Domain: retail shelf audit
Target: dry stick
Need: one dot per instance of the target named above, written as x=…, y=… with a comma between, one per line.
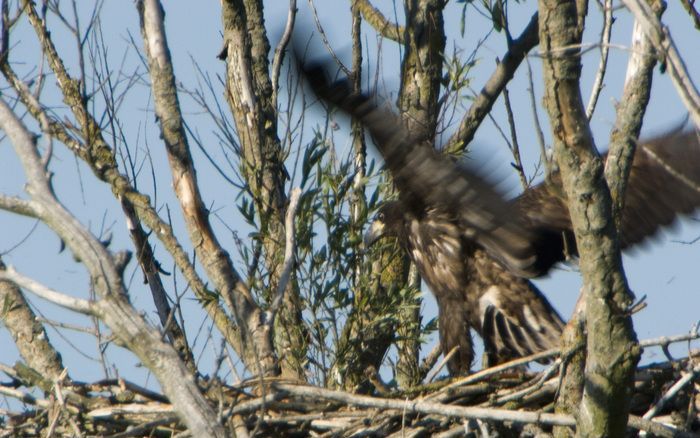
x=495, y=370
x=24, y=397
x=429, y=361
x=442, y=364
x=602, y=67
x=423, y=407
x=541, y=381
x=481, y=375
x=673, y=390
x=62, y=402
x=144, y=429
x=666, y=48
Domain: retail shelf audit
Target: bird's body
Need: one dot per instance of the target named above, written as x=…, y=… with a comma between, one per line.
x=476, y=251
x=472, y=290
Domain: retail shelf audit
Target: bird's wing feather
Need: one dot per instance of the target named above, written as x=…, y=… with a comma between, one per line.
x=516, y=320
x=664, y=182
x=425, y=178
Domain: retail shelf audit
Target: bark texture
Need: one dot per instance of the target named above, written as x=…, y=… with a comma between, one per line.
x=612, y=351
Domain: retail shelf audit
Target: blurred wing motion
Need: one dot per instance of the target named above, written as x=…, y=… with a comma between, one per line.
x=475, y=250
x=426, y=179
x=664, y=182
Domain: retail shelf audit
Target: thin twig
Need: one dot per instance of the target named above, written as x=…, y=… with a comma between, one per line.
x=515, y=147
x=604, y=49
x=538, y=125
x=324, y=38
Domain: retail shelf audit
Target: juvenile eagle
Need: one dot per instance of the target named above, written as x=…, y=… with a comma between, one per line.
x=476, y=251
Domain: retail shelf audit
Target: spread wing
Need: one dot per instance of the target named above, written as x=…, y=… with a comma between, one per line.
x=427, y=179
x=664, y=182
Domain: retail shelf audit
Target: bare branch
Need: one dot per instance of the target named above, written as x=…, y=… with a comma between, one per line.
x=38, y=289
x=426, y=407
x=289, y=250
x=27, y=331
x=260, y=355
x=604, y=49
x=630, y=113
x=504, y=72
x=281, y=48
x=114, y=309
x=660, y=37
x=379, y=22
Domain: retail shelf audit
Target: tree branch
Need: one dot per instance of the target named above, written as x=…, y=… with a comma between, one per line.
x=27, y=331
x=604, y=49
x=379, y=22
x=114, y=308
x=260, y=355
x=611, y=351
x=660, y=37
x=289, y=250
x=630, y=114
x=504, y=72
x=281, y=48
x=38, y=289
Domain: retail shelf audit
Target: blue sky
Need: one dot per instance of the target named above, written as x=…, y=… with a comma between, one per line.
x=667, y=271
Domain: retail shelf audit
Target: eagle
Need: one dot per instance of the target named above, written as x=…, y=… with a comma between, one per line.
x=477, y=251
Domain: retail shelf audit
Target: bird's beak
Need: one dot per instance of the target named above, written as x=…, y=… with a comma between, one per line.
x=373, y=233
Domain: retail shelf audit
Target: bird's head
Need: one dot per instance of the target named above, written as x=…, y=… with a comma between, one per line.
x=387, y=222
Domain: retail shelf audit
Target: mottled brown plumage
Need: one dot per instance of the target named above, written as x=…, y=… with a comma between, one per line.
x=471, y=288
x=476, y=250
